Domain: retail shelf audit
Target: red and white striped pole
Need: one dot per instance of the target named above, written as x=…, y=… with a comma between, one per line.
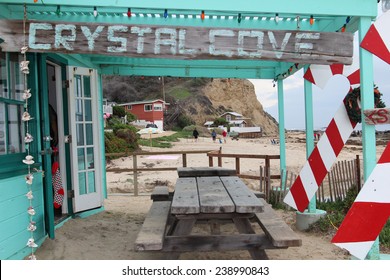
x=320, y=160
x=369, y=213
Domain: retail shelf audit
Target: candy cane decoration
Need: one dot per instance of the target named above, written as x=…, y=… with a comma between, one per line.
x=377, y=39
x=320, y=160
x=369, y=213
x=320, y=74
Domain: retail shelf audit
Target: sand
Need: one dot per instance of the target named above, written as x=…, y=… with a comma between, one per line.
x=110, y=235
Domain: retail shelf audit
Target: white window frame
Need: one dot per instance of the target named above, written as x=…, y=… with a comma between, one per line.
x=151, y=107
x=157, y=107
x=129, y=107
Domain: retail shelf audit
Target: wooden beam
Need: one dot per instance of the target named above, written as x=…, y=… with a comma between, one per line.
x=180, y=42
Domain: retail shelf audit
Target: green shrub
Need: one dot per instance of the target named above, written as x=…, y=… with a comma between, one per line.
x=119, y=111
x=220, y=121
x=384, y=236
x=184, y=120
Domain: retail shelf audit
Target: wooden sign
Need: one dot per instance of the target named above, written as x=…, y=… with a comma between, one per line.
x=377, y=116
x=179, y=42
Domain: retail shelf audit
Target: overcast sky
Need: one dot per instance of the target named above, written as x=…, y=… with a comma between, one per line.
x=325, y=101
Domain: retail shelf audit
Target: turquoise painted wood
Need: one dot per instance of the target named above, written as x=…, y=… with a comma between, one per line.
x=309, y=125
x=330, y=7
x=14, y=218
x=367, y=102
x=46, y=158
x=101, y=128
x=282, y=136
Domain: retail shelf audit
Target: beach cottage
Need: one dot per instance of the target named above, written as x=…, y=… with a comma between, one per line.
x=53, y=54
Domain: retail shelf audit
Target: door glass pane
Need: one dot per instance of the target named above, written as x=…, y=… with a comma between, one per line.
x=89, y=133
x=91, y=182
x=87, y=86
x=14, y=136
x=82, y=183
x=88, y=110
x=81, y=158
x=90, y=162
x=3, y=76
x=80, y=134
x=78, y=85
x=17, y=77
x=79, y=110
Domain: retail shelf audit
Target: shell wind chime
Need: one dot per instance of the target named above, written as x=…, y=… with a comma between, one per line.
x=29, y=160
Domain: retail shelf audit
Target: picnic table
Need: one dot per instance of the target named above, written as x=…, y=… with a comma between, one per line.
x=213, y=196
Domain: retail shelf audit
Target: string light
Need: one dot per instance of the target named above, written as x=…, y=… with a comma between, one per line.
x=202, y=15
x=239, y=18
x=298, y=23
x=165, y=13
x=95, y=12
x=58, y=11
x=128, y=12
x=311, y=20
x=343, y=28
x=348, y=19
x=276, y=18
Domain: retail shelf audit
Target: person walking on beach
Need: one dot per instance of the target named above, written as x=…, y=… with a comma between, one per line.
x=214, y=135
x=195, y=133
x=224, y=135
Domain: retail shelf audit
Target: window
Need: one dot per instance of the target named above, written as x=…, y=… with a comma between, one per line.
x=157, y=107
x=11, y=104
x=129, y=107
x=148, y=107
x=228, y=118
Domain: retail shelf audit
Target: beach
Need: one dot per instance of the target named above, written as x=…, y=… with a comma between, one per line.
x=110, y=235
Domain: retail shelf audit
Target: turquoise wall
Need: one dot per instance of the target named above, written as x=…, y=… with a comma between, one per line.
x=14, y=218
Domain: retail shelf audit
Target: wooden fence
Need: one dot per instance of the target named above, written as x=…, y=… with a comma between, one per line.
x=210, y=154
x=343, y=176
x=137, y=169
x=267, y=162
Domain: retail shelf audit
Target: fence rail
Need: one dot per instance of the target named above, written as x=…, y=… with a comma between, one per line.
x=137, y=169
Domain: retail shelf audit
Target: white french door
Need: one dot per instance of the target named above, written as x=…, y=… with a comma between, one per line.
x=84, y=144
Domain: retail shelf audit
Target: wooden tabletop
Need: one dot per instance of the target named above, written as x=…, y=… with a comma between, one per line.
x=225, y=194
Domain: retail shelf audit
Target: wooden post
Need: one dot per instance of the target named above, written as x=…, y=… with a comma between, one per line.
x=135, y=175
x=261, y=179
x=210, y=161
x=238, y=165
x=219, y=157
x=184, y=160
x=358, y=175
x=267, y=176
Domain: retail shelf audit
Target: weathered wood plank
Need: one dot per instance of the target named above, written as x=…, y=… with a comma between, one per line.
x=179, y=42
x=152, y=233
x=377, y=116
x=243, y=198
x=185, y=199
x=160, y=193
x=205, y=171
x=280, y=234
x=204, y=243
x=213, y=197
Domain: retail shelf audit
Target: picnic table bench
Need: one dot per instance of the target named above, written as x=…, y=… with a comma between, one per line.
x=213, y=200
